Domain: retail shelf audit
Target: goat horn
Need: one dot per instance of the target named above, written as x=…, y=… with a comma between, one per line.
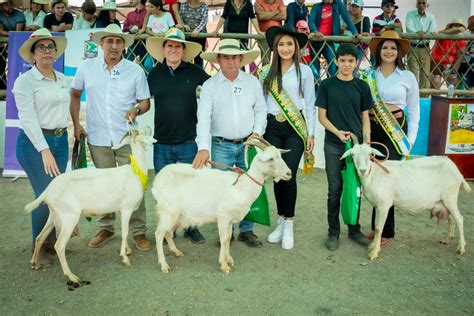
x=264, y=141
x=254, y=141
x=354, y=138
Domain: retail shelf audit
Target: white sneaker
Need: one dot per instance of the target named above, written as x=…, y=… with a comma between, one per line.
x=276, y=235
x=287, y=239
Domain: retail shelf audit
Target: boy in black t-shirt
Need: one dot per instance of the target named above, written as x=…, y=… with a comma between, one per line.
x=59, y=20
x=344, y=103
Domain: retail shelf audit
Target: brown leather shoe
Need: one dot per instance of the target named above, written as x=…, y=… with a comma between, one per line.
x=141, y=242
x=101, y=238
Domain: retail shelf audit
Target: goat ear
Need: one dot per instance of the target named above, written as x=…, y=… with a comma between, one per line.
x=346, y=154
x=284, y=151
x=376, y=152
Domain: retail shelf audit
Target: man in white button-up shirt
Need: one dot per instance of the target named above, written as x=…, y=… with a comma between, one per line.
x=231, y=108
x=113, y=86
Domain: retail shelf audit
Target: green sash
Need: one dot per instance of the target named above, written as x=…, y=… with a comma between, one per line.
x=385, y=118
x=290, y=112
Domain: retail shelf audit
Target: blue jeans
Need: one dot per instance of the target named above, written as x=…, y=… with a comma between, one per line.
x=164, y=154
x=32, y=162
x=329, y=53
x=231, y=154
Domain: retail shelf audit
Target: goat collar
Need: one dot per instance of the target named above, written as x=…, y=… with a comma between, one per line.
x=238, y=170
x=139, y=172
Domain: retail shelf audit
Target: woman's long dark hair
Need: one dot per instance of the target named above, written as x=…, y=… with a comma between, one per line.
x=275, y=67
x=399, y=62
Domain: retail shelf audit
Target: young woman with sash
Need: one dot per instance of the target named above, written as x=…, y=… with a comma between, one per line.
x=395, y=91
x=288, y=87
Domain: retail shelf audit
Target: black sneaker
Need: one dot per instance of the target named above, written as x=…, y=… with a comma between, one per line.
x=250, y=239
x=332, y=243
x=194, y=235
x=359, y=238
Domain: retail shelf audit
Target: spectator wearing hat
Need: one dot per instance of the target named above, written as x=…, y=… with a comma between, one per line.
x=173, y=83
x=269, y=13
x=42, y=98
x=287, y=79
x=306, y=54
x=420, y=21
x=296, y=11
x=447, y=54
x=87, y=18
x=467, y=68
x=194, y=14
x=387, y=20
x=107, y=15
x=325, y=20
x=117, y=91
x=362, y=25
x=159, y=21
x=34, y=18
x=11, y=19
x=59, y=20
x=231, y=109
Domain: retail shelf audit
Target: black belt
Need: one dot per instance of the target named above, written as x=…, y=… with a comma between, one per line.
x=58, y=132
x=232, y=141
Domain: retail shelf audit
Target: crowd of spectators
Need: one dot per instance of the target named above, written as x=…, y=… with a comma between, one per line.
x=432, y=62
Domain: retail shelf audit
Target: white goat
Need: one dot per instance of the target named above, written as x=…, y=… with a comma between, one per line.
x=190, y=197
x=430, y=183
x=88, y=192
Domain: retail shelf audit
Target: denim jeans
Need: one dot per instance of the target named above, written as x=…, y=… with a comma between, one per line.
x=334, y=166
x=231, y=154
x=329, y=54
x=32, y=162
x=164, y=154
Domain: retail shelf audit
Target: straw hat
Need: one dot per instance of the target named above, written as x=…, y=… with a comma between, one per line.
x=40, y=34
x=288, y=30
x=113, y=30
x=154, y=45
x=46, y=5
x=389, y=35
x=230, y=46
x=109, y=5
x=470, y=22
x=456, y=21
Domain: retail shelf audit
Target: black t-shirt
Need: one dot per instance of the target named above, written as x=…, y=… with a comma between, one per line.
x=344, y=102
x=238, y=23
x=50, y=20
x=175, y=101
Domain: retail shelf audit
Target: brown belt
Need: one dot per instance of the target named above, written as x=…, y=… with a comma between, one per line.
x=396, y=114
x=58, y=132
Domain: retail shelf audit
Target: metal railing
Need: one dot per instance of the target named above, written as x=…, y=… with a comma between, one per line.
x=441, y=72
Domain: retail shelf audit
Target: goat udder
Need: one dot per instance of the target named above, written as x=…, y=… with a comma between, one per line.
x=440, y=211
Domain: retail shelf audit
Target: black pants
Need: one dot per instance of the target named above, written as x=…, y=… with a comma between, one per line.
x=283, y=136
x=377, y=134
x=201, y=41
x=334, y=166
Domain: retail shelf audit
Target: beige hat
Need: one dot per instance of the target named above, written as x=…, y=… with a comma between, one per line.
x=456, y=21
x=46, y=5
x=109, y=5
x=40, y=34
x=229, y=46
x=154, y=45
x=113, y=30
x=388, y=35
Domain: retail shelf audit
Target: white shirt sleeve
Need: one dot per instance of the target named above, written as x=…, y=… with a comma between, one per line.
x=413, y=107
x=260, y=109
x=204, y=115
x=78, y=82
x=24, y=98
x=310, y=99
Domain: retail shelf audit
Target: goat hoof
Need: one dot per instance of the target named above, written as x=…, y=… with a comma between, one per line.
x=231, y=263
x=178, y=254
x=225, y=269
x=127, y=263
x=461, y=250
x=166, y=269
x=129, y=252
x=373, y=257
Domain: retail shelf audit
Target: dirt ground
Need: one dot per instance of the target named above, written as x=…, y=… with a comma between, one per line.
x=414, y=276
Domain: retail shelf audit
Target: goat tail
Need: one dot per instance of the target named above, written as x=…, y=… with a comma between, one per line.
x=32, y=205
x=466, y=186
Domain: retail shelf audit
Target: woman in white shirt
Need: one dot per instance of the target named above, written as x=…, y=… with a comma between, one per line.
x=159, y=20
x=34, y=17
x=399, y=91
x=42, y=98
x=286, y=79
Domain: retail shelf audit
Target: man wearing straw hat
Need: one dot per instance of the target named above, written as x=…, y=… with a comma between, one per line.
x=231, y=109
x=114, y=86
x=173, y=83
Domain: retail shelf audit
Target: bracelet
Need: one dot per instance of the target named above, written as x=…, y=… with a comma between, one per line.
x=138, y=110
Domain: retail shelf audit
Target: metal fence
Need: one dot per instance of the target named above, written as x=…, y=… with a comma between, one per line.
x=443, y=59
